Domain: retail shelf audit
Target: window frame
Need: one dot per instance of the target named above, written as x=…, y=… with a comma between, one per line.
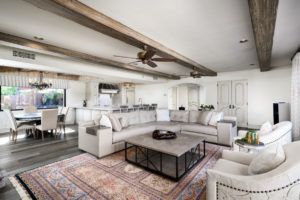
x=64, y=104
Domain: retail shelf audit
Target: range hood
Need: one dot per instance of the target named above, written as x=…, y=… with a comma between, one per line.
x=105, y=88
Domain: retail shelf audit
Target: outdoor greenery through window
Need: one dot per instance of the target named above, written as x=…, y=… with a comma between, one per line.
x=19, y=97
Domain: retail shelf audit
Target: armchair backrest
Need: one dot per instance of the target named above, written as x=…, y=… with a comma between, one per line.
x=49, y=119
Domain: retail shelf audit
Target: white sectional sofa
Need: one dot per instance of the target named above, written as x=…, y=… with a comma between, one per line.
x=142, y=122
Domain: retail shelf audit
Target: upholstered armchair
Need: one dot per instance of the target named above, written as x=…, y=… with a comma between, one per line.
x=281, y=134
x=229, y=178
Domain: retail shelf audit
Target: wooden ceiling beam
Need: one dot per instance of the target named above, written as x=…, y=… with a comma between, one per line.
x=91, y=18
x=263, y=16
x=81, y=56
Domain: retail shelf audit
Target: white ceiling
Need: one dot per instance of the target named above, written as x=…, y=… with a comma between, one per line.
x=207, y=31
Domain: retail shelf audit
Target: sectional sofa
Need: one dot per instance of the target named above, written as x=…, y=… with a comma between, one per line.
x=108, y=140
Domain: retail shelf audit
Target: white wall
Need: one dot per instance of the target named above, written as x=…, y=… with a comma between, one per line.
x=264, y=88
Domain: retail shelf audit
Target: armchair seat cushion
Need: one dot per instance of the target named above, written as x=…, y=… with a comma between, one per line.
x=198, y=128
x=230, y=167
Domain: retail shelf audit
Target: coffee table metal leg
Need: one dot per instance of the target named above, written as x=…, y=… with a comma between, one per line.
x=160, y=162
x=176, y=167
x=204, y=148
x=126, y=151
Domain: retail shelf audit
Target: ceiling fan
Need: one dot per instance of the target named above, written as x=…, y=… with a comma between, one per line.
x=146, y=57
x=194, y=74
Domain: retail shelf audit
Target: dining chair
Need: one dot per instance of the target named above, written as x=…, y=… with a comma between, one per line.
x=30, y=109
x=48, y=121
x=15, y=126
x=62, y=119
x=60, y=108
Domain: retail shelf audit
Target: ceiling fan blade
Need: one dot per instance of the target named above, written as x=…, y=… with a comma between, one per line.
x=125, y=57
x=164, y=59
x=134, y=62
x=149, y=54
x=151, y=64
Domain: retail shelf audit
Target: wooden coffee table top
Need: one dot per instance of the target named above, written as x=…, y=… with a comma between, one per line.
x=175, y=147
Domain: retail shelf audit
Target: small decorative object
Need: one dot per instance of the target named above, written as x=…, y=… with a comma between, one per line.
x=251, y=138
x=162, y=134
x=181, y=108
x=206, y=107
x=84, y=103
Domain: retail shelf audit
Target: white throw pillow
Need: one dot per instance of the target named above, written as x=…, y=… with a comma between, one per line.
x=267, y=160
x=215, y=117
x=124, y=122
x=265, y=128
x=115, y=122
x=205, y=117
x=163, y=115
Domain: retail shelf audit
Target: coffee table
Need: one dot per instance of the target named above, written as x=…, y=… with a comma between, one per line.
x=170, y=158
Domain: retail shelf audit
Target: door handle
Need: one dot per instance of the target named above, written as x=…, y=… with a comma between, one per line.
x=229, y=106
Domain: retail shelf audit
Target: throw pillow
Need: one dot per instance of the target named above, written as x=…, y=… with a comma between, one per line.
x=194, y=116
x=179, y=116
x=215, y=117
x=205, y=117
x=116, y=125
x=163, y=115
x=267, y=160
x=265, y=128
x=124, y=122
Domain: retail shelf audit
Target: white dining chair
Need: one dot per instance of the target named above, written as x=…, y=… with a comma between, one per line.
x=15, y=126
x=62, y=119
x=30, y=109
x=48, y=121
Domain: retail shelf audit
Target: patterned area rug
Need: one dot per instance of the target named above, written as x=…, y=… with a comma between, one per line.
x=111, y=177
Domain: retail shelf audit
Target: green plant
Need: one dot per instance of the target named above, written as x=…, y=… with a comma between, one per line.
x=204, y=107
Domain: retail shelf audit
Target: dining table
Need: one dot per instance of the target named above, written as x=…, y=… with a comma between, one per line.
x=35, y=116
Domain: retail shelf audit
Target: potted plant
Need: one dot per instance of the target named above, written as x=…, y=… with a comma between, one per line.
x=204, y=107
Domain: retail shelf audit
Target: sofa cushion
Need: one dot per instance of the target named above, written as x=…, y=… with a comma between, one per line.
x=198, y=128
x=163, y=115
x=124, y=122
x=215, y=117
x=205, y=117
x=168, y=126
x=230, y=167
x=179, y=116
x=133, y=130
x=133, y=117
x=267, y=160
x=265, y=128
x=147, y=116
x=194, y=116
x=115, y=122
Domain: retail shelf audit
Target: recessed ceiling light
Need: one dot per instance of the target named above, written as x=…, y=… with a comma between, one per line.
x=38, y=38
x=243, y=40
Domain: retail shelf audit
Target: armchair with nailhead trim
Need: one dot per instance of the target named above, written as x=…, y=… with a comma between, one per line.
x=229, y=178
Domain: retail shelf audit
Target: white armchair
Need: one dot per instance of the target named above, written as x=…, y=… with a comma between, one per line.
x=280, y=135
x=229, y=178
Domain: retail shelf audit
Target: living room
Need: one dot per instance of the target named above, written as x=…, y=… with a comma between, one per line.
x=149, y=100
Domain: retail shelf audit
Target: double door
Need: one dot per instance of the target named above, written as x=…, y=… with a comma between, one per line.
x=233, y=100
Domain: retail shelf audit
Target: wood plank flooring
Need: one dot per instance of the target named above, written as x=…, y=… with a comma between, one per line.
x=28, y=153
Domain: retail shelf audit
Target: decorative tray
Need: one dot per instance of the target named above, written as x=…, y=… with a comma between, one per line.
x=163, y=135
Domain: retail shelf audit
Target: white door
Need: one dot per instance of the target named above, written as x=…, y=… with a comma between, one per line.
x=240, y=101
x=193, y=98
x=224, y=97
x=130, y=97
x=233, y=100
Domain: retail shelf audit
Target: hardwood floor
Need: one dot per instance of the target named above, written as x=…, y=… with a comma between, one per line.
x=28, y=153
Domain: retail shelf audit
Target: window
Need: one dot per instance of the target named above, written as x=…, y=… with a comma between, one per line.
x=18, y=97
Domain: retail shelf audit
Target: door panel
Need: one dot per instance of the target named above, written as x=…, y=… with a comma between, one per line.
x=224, y=97
x=240, y=101
x=130, y=97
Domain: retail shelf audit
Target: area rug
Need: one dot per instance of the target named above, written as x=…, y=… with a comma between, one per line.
x=86, y=177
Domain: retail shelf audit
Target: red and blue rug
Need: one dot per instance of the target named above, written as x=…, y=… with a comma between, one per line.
x=86, y=177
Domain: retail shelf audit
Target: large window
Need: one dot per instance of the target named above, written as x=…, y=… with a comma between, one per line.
x=17, y=97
